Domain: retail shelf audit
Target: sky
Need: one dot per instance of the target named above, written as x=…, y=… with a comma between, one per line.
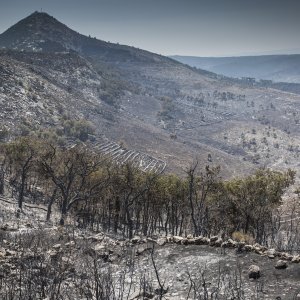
x=182, y=27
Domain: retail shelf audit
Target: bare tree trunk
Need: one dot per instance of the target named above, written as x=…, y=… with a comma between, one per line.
x=49, y=208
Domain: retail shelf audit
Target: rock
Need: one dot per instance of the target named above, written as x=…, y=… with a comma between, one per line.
x=161, y=241
x=99, y=247
x=149, y=239
x=200, y=240
x=4, y=227
x=231, y=243
x=9, y=252
x=189, y=236
x=177, y=239
x=56, y=246
x=184, y=241
x=135, y=240
x=170, y=239
x=96, y=238
x=271, y=253
x=214, y=239
x=218, y=242
x=248, y=247
x=113, y=258
x=296, y=259
x=53, y=254
x=70, y=244
x=286, y=256
x=191, y=241
x=254, y=272
x=281, y=264
x=225, y=244
x=142, y=249
x=140, y=295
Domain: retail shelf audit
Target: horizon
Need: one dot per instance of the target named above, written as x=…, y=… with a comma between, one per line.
x=200, y=28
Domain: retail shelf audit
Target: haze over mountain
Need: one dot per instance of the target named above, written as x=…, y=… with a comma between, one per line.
x=164, y=110
x=279, y=68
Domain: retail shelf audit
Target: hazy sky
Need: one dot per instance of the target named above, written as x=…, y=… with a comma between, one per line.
x=186, y=27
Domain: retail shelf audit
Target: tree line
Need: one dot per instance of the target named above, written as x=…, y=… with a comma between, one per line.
x=98, y=193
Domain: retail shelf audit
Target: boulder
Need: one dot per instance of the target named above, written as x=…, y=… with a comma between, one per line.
x=161, y=241
x=271, y=253
x=170, y=239
x=248, y=247
x=286, y=256
x=198, y=240
x=254, y=272
x=296, y=259
x=231, y=243
x=177, y=239
x=281, y=264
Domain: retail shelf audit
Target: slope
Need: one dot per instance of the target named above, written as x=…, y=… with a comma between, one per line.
x=147, y=102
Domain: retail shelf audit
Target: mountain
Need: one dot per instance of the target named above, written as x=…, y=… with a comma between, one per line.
x=279, y=68
x=156, y=109
x=43, y=33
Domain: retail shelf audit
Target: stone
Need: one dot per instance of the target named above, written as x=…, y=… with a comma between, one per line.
x=53, y=253
x=271, y=253
x=286, y=256
x=142, y=249
x=161, y=241
x=281, y=264
x=218, y=242
x=99, y=247
x=254, y=272
x=296, y=259
x=177, y=239
x=248, y=247
x=96, y=238
x=140, y=295
x=9, y=252
x=184, y=241
x=4, y=227
x=135, y=239
x=231, y=243
x=70, y=244
x=56, y=246
x=214, y=239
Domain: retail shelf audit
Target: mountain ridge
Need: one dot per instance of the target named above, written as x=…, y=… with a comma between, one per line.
x=152, y=103
x=279, y=68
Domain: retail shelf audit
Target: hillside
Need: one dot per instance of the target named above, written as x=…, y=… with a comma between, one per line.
x=143, y=101
x=279, y=68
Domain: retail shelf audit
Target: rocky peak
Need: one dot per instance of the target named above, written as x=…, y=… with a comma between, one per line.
x=39, y=32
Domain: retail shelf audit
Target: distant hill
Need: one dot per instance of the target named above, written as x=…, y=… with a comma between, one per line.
x=279, y=68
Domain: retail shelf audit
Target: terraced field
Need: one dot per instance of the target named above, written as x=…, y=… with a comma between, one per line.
x=122, y=155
